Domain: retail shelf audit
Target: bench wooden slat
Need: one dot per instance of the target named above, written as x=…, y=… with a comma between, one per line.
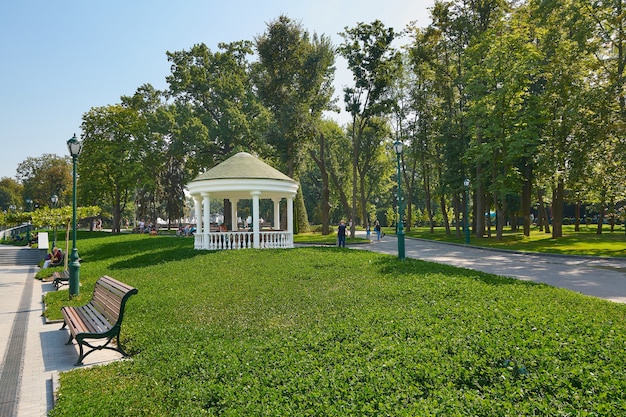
x=101, y=318
x=60, y=278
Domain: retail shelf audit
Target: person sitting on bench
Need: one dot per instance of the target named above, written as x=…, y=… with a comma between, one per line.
x=55, y=260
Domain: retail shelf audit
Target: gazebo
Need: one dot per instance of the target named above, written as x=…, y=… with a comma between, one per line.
x=242, y=177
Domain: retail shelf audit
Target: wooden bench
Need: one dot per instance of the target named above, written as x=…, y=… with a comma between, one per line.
x=60, y=278
x=101, y=318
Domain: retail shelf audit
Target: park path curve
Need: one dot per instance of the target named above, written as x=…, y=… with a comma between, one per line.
x=594, y=276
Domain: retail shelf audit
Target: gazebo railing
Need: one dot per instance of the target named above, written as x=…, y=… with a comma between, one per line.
x=279, y=239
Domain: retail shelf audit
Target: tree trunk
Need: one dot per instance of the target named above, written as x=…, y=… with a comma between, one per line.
x=499, y=217
x=557, y=209
x=600, y=217
x=612, y=216
x=457, y=214
x=543, y=213
x=444, y=212
x=117, y=219
x=325, y=203
x=355, y=161
x=479, y=209
x=343, y=198
x=577, y=217
x=526, y=204
x=427, y=202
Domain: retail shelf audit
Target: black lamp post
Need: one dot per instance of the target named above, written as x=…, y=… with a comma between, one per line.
x=74, y=145
x=397, y=147
x=55, y=200
x=466, y=183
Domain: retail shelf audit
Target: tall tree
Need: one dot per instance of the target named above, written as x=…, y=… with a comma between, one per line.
x=112, y=160
x=563, y=40
x=45, y=176
x=216, y=111
x=321, y=154
x=294, y=80
x=374, y=63
x=10, y=193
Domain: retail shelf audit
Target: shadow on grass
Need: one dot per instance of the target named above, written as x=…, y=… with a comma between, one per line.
x=391, y=265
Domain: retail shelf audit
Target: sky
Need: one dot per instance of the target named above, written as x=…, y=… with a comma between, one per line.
x=62, y=58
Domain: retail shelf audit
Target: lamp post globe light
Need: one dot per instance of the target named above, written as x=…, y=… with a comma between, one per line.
x=74, y=146
x=54, y=199
x=466, y=183
x=397, y=147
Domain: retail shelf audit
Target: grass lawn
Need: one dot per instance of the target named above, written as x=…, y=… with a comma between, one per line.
x=328, y=240
x=583, y=242
x=324, y=331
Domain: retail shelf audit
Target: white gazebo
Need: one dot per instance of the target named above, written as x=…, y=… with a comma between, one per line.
x=242, y=177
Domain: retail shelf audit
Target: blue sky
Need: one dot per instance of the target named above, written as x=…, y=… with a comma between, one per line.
x=61, y=58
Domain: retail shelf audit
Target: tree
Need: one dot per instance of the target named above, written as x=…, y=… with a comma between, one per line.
x=563, y=34
x=44, y=177
x=322, y=157
x=11, y=193
x=112, y=161
x=374, y=64
x=294, y=80
x=216, y=111
x=62, y=216
x=499, y=92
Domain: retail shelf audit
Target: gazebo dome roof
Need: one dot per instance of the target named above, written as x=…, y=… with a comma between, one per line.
x=243, y=165
x=241, y=175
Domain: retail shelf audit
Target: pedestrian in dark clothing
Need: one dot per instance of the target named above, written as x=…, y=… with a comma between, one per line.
x=377, y=230
x=341, y=234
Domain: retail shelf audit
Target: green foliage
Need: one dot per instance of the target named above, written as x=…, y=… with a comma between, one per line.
x=335, y=332
x=10, y=193
x=45, y=176
x=585, y=242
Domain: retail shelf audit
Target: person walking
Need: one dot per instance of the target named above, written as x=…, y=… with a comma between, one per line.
x=377, y=229
x=341, y=234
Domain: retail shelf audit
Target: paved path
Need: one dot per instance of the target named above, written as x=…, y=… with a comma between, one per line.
x=32, y=352
x=598, y=277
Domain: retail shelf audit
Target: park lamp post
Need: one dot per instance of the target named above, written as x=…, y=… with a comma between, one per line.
x=74, y=145
x=29, y=203
x=397, y=147
x=54, y=199
x=466, y=183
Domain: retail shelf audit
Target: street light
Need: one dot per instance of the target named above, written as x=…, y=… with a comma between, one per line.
x=74, y=146
x=397, y=147
x=55, y=200
x=466, y=183
x=29, y=203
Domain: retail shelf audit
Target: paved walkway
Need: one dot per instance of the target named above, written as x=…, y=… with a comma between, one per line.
x=35, y=352
x=598, y=277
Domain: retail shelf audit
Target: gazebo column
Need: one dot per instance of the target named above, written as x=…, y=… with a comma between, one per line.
x=233, y=213
x=198, y=214
x=290, y=217
x=255, y=220
x=276, y=202
x=206, y=222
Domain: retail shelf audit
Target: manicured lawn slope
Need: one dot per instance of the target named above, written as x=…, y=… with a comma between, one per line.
x=583, y=242
x=332, y=332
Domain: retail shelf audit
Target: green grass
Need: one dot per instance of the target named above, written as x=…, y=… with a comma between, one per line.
x=328, y=240
x=584, y=242
x=324, y=331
